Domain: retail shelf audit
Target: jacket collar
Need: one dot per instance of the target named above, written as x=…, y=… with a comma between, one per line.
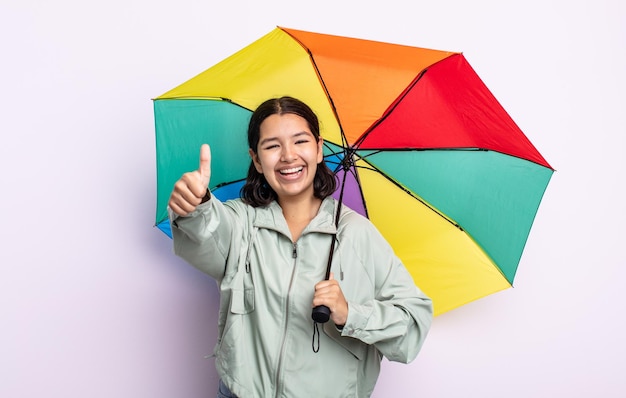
x=271, y=217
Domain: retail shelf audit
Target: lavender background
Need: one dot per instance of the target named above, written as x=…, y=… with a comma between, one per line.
x=94, y=304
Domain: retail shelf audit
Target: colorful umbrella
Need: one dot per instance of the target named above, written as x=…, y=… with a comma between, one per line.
x=419, y=143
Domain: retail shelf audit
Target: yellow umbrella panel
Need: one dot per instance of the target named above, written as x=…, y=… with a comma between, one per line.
x=444, y=260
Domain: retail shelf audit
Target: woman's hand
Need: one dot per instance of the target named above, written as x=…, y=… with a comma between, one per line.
x=329, y=293
x=192, y=187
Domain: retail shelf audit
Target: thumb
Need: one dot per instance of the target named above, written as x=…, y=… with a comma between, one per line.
x=331, y=276
x=205, y=164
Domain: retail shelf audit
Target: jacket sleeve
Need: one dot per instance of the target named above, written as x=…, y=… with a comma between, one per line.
x=397, y=319
x=204, y=237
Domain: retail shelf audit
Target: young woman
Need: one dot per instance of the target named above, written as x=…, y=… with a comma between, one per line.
x=268, y=252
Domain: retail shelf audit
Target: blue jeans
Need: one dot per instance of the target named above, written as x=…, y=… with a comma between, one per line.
x=223, y=391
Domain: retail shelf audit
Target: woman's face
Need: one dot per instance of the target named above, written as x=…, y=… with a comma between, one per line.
x=288, y=155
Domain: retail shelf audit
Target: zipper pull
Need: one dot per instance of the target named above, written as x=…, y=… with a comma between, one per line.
x=294, y=254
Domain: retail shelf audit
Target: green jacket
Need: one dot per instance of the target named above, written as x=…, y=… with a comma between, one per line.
x=266, y=283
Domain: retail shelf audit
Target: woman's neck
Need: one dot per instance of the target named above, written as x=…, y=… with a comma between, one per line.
x=299, y=213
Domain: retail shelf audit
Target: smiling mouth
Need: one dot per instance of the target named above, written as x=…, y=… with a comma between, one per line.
x=293, y=170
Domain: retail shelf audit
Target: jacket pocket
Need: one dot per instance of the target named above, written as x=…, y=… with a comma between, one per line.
x=242, y=301
x=242, y=298
x=354, y=346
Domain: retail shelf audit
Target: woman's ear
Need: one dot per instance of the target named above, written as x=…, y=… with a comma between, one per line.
x=255, y=161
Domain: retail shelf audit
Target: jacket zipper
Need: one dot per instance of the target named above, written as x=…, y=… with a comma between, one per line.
x=294, y=255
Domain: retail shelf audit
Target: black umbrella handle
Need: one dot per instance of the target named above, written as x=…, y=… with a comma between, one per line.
x=321, y=314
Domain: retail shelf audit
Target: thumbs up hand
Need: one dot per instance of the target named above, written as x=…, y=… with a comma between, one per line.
x=192, y=187
x=205, y=166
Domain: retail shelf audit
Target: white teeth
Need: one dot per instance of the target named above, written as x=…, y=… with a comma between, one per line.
x=289, y=171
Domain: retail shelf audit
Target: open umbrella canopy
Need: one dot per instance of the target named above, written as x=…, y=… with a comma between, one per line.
x=420, y=146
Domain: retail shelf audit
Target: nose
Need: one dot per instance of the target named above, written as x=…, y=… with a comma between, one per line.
x=288, y=153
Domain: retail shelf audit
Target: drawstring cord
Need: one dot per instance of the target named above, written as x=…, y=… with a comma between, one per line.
x=316, y=333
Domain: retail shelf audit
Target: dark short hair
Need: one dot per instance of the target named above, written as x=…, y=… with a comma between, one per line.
x=256, y=191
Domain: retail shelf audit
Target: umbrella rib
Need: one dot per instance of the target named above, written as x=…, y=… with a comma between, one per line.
x=375, y=151
x=344, y=141
x=222, y=184
x=391, y=108
x=421, y=201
